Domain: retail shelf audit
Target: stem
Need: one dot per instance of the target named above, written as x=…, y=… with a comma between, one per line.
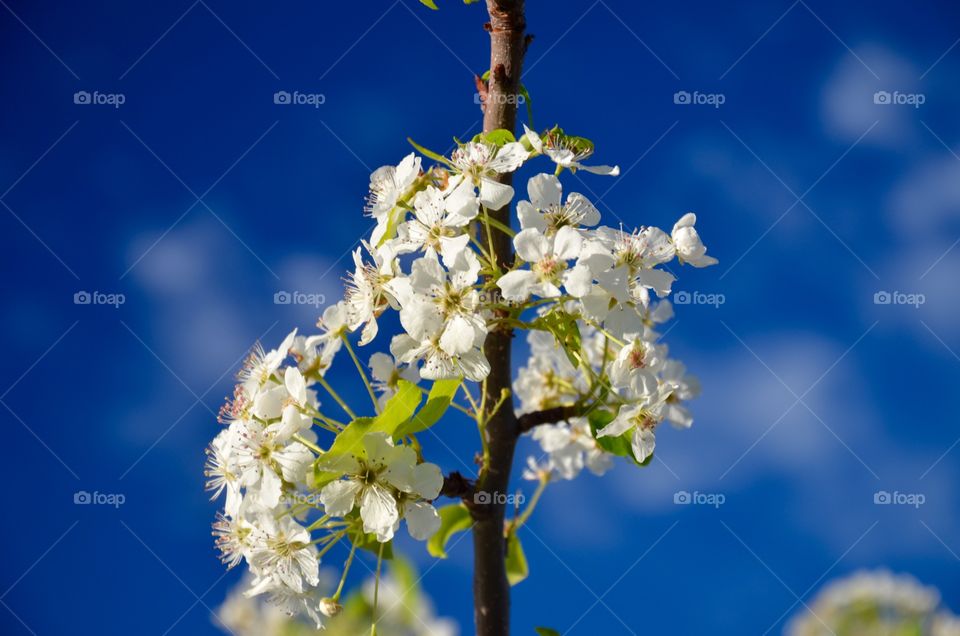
x=376, y=590
x=336, y=396
x=522, y=519
x=346, y=568
x=491, y=591
x=363, y=374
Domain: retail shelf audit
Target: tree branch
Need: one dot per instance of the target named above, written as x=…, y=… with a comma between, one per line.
x=491, y=591
x=528, y=421
x=456, y=486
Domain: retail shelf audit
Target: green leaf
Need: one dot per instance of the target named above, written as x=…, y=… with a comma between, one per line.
x=546, y=631
x=517, y=568
x=430, y=3
x=453, y=519
x=498, y=137
x=564, y=328
x=429, y=153
x=394, y=217
x=526, y=98
x=438, y=401
x=400, y=408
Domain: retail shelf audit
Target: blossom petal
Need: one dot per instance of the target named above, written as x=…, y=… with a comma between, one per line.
x=422, y=520
x=338, y=497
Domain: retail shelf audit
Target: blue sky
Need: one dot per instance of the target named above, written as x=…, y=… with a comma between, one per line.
x=198, y=198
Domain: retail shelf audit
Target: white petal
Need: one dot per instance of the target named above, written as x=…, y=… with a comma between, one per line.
x=378, y=509
x=270, y=488
x=578, y=281
x=427, y=480
x=422, y=520
x=531, y=245
x=296, y=386
x=643, y=443
x=517, y=285
x=457, y=337
x=605, y=170
x=338, y=497
x=567, y=243
x=544, y=190
x=494, y=195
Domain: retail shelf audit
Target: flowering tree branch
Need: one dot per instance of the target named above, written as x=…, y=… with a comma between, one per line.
x=303, y=470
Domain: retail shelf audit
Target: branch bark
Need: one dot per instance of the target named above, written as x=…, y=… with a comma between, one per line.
x=529, y=421
x=491, y=591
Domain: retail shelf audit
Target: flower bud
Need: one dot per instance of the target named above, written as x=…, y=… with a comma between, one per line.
x=329, y=607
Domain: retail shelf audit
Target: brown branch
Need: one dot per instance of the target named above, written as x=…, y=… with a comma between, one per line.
x=528, y=421
x=491, y=591
x=456, y=486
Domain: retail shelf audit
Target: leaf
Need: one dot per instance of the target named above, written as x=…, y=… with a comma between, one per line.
x=517, y=568
x=564, y=328
x=429, y=153
x=546, y=631
x=498, y=137
x=400, y=408
x=438, y=401
x=453, y=519
x=394, y=217
x=430, y=3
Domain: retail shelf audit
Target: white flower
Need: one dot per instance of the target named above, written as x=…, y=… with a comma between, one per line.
x=545, y=212
x=264, y=462
x=439, y=225
x=548, y=256
x=642, y=417
x=684, y=387
x=381, y=480
x=366, y=294
x=388, y=185
x=565, y=154
x=283, y=556
x=690, y=249
x=314, y=354
x=548, y=379
x=571, y=446
x=483, y=162
x=635, y=368
x=260, y=366
x=386, y=373
x=219, y=473
x=433, y=300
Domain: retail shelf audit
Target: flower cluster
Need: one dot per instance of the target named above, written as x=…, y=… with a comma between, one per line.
x=266, y=458
x=300, y=477
x=876, y=602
